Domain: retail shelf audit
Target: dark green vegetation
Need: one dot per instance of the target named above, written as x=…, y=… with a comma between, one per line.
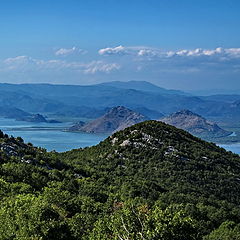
x=148, y=182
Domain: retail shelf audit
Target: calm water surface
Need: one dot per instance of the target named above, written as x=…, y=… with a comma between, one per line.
x=52, y=137
x=48, y=135
x=235, y=148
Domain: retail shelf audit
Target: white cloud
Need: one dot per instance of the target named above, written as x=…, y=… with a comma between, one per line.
x=20, y=63
x=147, y=59
x=19, y=60
x=99, y=66
x=69, y=51
x=134, y=51
x=198, y=52
x=140, y=61
x=111, y=51
x=153, y=53
x=25, y=63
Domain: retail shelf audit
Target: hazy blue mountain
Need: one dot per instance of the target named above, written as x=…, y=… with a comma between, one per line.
x=12, y=112
x=90, y=112
x=151, y=114
x=209, y=92
x=80, y=111
x=222, y=98
x=20, y=115
x=27, y=102
x=142, y=86
x=46, y=97
x=92, y=101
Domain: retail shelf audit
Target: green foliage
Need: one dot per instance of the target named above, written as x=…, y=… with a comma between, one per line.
x=131, y=222
x=227, y=231
x=30, y=217
x=150, y=181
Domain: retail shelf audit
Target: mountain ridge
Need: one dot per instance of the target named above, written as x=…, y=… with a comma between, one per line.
x=115, y=119
x=66, y=99
x=142, y=86
x=195, y=124
x=78, y=100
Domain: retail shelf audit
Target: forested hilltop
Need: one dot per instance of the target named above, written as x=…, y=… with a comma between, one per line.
x=150, y=181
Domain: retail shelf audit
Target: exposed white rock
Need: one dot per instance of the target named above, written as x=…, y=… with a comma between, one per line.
x=114, y=140
x=125, y=143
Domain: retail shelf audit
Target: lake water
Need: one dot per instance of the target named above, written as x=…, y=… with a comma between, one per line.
x=235, y=148
x=48, y=135
x=52, y=137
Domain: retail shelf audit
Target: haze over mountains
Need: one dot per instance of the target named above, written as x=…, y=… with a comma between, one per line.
x=142, y=86
x=20, y=115
x=94, y=100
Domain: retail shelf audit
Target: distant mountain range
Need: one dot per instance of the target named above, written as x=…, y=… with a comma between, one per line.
x=20, y=115
x=209, y=92
x=13, y=112
x=142, y=86
x=94, y=100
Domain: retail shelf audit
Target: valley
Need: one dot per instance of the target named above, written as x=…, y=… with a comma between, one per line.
x=120, y=120
x=70, y=104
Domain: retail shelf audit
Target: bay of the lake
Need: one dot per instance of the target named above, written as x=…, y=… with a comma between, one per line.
x=235, y=147
x=50, y=136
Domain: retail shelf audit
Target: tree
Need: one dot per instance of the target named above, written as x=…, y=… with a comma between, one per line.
x=142, y=223
x=228, y=230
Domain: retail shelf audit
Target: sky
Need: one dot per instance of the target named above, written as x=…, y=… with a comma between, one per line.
x=187, y=44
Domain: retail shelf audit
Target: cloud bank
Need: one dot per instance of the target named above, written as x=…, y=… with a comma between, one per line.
x=25, y=63
x=220, y=53
x=183, y=60
x=173, y=67
x=69, y=51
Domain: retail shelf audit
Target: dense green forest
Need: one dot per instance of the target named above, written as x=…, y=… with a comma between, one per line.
x=151, y=181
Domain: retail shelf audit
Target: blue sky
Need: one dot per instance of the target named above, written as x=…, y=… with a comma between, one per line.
x=175, y=44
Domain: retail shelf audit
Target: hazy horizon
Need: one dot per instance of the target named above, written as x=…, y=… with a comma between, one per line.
x=176, y=45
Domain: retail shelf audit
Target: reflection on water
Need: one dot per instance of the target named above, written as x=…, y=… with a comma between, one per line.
x=49, y=135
